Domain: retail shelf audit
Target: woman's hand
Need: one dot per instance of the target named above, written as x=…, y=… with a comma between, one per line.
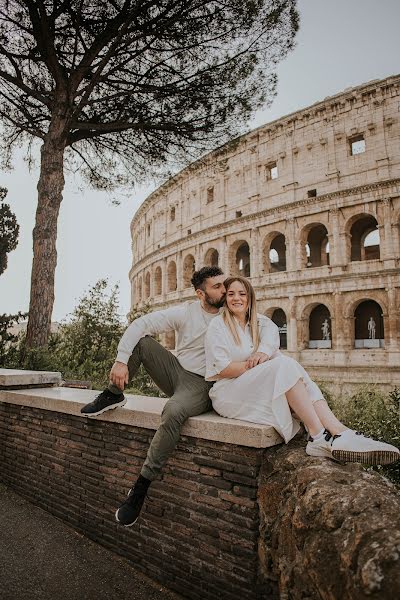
x=256, y=359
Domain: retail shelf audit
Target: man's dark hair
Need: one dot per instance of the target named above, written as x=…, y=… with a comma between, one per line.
x=204, y=273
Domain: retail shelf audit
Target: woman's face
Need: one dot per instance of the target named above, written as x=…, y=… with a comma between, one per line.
x=236, y=299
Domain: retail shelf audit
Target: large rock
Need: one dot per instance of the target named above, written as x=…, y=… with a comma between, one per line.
x=328, y=531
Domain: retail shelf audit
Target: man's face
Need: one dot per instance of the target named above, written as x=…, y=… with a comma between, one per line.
x=214, y=291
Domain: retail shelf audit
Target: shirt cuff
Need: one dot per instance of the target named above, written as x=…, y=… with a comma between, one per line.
x=268, y=350
x=216, y=367
x=122, y=357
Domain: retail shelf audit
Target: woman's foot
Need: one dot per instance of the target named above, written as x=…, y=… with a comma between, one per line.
x=320, y=446
x=353, y=446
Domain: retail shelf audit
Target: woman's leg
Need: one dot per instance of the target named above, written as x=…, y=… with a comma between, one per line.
x=327, y=418
x=300, y=402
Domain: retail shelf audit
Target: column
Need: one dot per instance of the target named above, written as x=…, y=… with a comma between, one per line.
x=387, y=249
x=291, y=247
x=164, y=278
x=392, y=321
x=223, y=256
x=255, y=266
x=292, y=343
x=179, y=273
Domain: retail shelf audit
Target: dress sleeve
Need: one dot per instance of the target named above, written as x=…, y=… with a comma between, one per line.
x=217, y=350
x=269, y=336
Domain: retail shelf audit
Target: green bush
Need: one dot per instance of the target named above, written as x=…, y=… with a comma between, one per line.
x=376, y=414
x=83, y=348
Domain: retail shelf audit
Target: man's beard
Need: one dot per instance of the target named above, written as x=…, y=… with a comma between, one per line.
x=215, y=303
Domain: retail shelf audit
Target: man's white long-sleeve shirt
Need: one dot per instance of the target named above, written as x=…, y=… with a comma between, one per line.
x=189, y=321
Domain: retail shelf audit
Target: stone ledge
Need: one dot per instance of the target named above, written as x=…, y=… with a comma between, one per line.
x=15, y=377
x=145, y=411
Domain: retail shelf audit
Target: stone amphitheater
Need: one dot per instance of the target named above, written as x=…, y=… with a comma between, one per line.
x=307, y=207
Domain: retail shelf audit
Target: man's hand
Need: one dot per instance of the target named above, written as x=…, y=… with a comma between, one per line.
x=256, y=359
x=119, y=375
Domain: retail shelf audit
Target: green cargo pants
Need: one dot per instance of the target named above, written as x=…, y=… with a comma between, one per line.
x=188, y=397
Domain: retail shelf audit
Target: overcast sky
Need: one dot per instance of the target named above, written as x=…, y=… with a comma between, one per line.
x=341, y=44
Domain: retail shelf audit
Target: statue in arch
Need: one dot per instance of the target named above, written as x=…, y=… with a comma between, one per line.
x=371, y=328
x=326, y=335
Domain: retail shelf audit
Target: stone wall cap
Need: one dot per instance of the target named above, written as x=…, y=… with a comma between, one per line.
x=145, y=411
x=19, y=377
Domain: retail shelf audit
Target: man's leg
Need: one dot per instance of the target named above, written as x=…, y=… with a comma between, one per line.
x=162, y=366
x=190, y=399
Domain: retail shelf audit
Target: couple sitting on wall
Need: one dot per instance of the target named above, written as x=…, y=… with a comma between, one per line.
x=228, y=359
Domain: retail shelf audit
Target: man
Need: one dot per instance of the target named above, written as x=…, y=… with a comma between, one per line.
x=180, y=377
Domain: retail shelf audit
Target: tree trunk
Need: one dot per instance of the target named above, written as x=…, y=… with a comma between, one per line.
x=50, y=188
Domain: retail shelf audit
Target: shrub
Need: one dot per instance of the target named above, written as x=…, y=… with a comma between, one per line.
x=376, y=414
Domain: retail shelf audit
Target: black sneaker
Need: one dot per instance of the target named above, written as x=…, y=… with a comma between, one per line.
x=104, y=401
x=128, y=513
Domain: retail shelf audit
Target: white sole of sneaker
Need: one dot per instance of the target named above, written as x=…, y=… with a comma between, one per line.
x=372, y=458
x=119, y=522
x=100, y=412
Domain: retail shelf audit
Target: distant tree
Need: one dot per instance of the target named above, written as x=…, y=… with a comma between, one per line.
x=9, y=230
x=119, y=87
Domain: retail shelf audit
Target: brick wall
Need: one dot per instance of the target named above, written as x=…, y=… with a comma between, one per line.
x=199, y=533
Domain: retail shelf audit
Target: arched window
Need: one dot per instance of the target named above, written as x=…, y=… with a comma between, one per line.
x=189, y=267
x=320, y=327
x=277, y=254
x=369, y=327
x=171, y=276
x=158, y=281
x=211, y=258
x=243, y=260
x=317, y=247
x=279, y=318
x=365, y=242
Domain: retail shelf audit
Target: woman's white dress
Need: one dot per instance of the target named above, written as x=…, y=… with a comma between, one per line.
x=258, y=395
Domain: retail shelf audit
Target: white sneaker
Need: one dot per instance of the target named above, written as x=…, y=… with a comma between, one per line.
x=321, y=447
x=352, y=446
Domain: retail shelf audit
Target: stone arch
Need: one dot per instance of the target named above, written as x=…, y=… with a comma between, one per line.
x=158, y=281
x=171, y=276
x=211, y=258
x=360, y=227
x=315, y=245
x=278, y=316
x=369, y=329
x=147, y=285
x=189, y=267
x=320, y=327
x=239, y=258
x=274, y=252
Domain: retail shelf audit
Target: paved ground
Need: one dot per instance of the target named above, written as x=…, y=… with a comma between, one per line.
x=41, y=558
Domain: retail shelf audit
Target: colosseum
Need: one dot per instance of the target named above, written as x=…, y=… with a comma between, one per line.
x=307, y=207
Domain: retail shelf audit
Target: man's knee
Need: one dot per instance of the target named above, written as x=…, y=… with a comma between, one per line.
x=174, y=413
x=145, y=344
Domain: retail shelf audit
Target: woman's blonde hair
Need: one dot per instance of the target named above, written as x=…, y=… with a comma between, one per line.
x=251, y=315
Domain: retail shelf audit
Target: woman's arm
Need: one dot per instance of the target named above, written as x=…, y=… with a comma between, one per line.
x=234, y=369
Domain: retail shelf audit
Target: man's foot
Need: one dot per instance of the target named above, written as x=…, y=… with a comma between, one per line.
x=352, y=446
x=128, y=513
x=320, y=447
x=104, y=401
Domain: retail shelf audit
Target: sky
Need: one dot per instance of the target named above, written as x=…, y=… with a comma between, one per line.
x=341, y=44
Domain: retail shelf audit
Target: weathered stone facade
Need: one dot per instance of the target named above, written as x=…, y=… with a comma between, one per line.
x=308, y=207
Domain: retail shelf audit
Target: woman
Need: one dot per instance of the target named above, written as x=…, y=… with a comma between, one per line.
x=255, y=382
